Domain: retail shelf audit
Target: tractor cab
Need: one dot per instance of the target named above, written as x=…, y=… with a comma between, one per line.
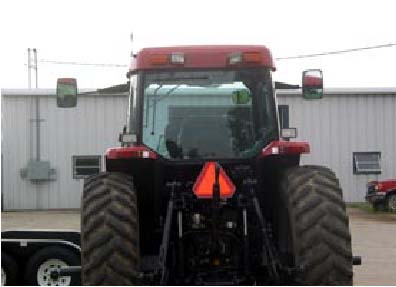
x=202, y=102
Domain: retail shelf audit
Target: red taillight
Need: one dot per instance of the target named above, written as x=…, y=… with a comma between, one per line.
x=130, y=152
x=285, y=147
x=252, y=57
x=159, y=59
x=203, y=187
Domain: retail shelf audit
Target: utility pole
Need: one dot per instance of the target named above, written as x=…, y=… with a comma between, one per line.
x=35, y=65
x=32, y=66
x=37, y=97
x=131, y=37
x=29, y=70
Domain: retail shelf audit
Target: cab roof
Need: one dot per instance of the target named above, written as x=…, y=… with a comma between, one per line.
x=202, y=56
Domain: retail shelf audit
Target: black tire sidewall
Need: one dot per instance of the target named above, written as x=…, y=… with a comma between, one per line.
x=47, y=253
x=10, y=267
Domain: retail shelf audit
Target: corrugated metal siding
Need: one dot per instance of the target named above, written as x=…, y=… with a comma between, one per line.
x=339, y=125
x=336, y=126
x=89, y=129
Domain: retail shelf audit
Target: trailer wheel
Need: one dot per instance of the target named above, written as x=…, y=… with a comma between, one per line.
x=9, y=270
x=318, y=226
x=43, y=262
x=110, y=230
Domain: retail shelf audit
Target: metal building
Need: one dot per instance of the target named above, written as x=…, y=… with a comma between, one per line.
x=72, y=143
x=353, y=131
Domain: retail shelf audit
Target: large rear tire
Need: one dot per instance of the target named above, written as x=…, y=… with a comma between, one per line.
x=109, y=230
x=318, y=226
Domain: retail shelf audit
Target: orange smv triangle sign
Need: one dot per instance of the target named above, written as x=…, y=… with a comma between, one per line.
x=203, y=187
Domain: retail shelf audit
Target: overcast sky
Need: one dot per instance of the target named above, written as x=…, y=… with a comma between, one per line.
x=99, y=32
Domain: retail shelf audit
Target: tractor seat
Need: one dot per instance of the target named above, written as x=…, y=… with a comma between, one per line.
x=205, y=137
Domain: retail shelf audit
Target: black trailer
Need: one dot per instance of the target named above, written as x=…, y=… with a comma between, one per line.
x=40, y=257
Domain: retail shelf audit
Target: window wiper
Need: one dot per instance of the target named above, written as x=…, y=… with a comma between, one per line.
x=163, y=96
x=168, y=93
x=148, y=103
x=155, y=103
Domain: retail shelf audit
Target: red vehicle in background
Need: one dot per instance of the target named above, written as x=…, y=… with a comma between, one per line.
x=382, y=195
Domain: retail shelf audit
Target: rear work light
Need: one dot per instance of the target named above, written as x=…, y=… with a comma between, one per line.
x=203, y=187
x=130, y=152
x=177, y=58
x=235, y=58
x=285, y=147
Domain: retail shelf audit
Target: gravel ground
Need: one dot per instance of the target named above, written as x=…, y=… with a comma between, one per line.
x=59, y=219
x=373, y=238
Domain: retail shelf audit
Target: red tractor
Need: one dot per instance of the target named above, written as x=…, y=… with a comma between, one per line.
x=205, y=189
x=382, y=195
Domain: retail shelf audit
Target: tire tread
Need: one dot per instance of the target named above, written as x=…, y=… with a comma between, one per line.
x=109, y=230
x=319, y=225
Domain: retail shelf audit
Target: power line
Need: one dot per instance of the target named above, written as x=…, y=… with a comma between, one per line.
x=338, y=52
x=280, y=58
x=82, y=64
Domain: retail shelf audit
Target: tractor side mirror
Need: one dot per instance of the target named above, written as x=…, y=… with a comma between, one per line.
x=66, y=93
x=312, y=84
